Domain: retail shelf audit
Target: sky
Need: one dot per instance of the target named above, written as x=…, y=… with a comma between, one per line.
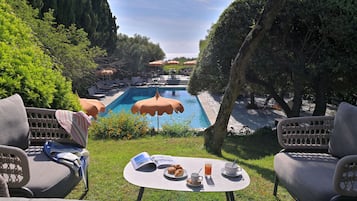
x=176, y=25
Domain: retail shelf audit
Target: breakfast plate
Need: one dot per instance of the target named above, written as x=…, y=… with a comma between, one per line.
x=237, y=174
x=172, y=176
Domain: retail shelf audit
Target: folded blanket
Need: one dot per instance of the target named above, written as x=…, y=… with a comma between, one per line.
x=74, y=157
x=76, y=124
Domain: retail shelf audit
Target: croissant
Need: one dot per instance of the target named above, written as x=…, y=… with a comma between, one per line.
x=179, y=172
x=171, y=170
x=178, y=166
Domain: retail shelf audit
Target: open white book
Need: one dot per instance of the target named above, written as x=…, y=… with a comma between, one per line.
x=158, y=161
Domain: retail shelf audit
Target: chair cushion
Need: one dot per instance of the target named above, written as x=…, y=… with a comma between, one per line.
x=343, y=140
x=14, y=127
x=44, y=183
x=307, y=176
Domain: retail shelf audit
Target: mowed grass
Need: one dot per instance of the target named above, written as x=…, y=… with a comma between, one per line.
x=108, y=158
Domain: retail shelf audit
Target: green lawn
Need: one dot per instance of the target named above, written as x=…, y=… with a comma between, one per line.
x=108, y=159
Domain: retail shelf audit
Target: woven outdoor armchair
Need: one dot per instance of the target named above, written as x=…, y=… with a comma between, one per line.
x=28, y=171
x=318, y=161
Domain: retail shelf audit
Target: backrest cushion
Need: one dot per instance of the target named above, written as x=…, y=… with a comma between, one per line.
x=343, y=140
x=14, y=127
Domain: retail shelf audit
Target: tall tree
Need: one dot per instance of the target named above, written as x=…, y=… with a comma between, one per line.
x=218, y=50
x=215, y=134
x=313, y=43
x=137, y=51
x=303, y=48
x=94, y=16
x=69, y=47
x=26, y=69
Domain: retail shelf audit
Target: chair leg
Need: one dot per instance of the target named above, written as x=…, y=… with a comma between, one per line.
x=87, y=181
x=276, y=184
x=86, y=186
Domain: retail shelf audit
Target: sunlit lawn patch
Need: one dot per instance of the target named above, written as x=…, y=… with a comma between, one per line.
x=109, y=157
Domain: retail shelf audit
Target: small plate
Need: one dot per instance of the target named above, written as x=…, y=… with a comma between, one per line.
x=189, y=184
x=172, y=176
x=237, y=174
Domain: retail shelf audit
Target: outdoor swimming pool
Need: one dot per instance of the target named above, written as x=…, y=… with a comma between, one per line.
x=194, y=113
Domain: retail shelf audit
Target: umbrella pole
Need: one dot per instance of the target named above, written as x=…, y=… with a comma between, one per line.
x=157, y=123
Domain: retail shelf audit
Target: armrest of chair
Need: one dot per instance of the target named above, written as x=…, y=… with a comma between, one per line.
x=14, y=166
x=44, y=126
x=301, y=133
x=345, y=176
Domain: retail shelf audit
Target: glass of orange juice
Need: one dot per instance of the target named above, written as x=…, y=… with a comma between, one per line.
x=208, y=169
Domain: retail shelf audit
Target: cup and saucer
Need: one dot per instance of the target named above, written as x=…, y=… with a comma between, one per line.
x=195, y=180
x=231, y=170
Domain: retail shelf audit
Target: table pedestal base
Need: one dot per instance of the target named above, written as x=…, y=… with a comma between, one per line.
x=230, y=196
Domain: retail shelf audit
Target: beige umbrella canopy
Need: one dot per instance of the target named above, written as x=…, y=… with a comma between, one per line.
x=157, y=105
x=106, y=72
x=173, y=62
x=91, y=106
x=157, y=63
x=190, y=63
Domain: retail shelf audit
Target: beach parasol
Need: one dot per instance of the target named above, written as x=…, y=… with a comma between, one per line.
x=106, y=72
x=157, y=63
x=157, y=105
x=173, y=62
x=190, y=63
x=92, y=107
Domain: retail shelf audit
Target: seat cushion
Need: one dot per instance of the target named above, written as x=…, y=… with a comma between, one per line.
x=14, y=127
x=343, y=140
x=49, y=178
x=307, y=176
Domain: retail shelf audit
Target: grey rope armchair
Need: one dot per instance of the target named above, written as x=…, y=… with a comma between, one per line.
x=28, y=171
x=319, y=156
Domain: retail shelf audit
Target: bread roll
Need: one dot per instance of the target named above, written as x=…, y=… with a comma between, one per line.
x=179, y=172
x=178, y=166
x=171, y=170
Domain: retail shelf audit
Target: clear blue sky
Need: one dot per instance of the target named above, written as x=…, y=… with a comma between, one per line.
x=176, y=25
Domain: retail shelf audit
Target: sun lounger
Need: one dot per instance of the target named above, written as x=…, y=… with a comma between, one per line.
x=93, y=93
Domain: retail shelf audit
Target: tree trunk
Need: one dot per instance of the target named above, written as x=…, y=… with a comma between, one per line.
x=320, y=96
x=215, y=134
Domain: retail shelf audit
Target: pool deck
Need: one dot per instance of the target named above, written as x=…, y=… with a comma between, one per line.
x=240, y=116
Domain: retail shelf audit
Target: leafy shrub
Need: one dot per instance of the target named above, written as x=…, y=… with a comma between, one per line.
x=25, y=69
x=176, y=129
x=123, y=125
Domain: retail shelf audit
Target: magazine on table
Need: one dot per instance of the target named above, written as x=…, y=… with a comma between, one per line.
x=144, y=159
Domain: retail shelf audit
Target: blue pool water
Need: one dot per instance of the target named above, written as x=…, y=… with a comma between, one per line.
x=193, y=113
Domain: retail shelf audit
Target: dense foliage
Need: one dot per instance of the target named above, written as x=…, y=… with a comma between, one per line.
x=222, y=44
x=126, y=126
x=136, y=52
x=25, y=69
x=94, y=16
x=69, y=47
x=311, y=49
x=176, y=129
x=121, y=125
